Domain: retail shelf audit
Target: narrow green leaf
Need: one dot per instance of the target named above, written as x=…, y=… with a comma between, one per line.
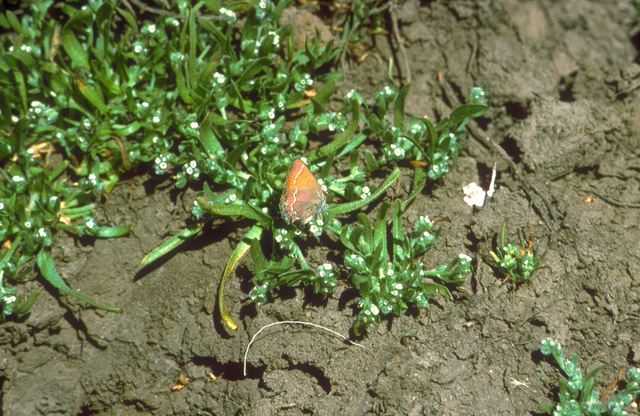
x=253, y=70
x=546, y=408
x=27, y=304
x=398, y=107
x=348, y=132
x=22, y=90
x=93, y=95
x=244, y=210
x=71, y=44
x=208, y=25
x=465, y=111
x=171, y=244
x=352, y=206
x=109, y=232
x=182, y=86
x=240, y=251
x=129, y=18
x=380, y=231
x=419, y=181
x=193, y=43
x=322, y=97
x=48, y=270
x=208, y=138
x=14, y=22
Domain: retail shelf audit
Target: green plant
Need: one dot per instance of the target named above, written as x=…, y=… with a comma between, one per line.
x=199, y=101
x=576, y=396
x=257, y=201
x=515, y=260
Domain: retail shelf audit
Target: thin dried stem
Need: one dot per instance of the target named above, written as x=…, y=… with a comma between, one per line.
x=292, y=322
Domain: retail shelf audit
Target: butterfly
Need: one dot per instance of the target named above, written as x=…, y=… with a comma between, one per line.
x=302, y=198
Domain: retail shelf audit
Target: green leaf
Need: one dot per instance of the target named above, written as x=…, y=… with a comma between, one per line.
x=380, y=232
x=171, y=244
x=131, y=20
x=546, y=408
x=398, y=108
x=27, y=304
x=240, y=251
x=109, y=232
x=252, y=71
x=322, y=97
x=240, y=210
x=93, y=95
x=48, y=270
x=419, y=181
x=352, y=206
x=208, y=139
x=14, y=22
x=348, y=132
x=71, y=44
x=465, y=111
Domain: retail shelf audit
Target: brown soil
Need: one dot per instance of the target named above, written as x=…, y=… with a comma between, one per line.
x=558, y=75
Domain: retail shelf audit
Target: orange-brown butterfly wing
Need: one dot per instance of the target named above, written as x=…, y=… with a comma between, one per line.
x=302, y=198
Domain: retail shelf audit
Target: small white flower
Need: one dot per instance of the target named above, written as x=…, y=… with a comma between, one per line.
x=27, y=224
x=90, y=224
x=375, y=310
x=163, y=165
x=232, y=197
x=193, y=164
x=42, y=232
x=9, y=299
x=17, y=178
x=137, y=48
x=156, y=119
x=399, y=286
x=152, y=28
x=194, y=124
x=155, y=139
x=474, y=194
x=313, y=229
x=189, y=170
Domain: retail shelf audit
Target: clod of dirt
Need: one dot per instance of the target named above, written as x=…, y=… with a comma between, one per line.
x=305, y=25
x=559, y=137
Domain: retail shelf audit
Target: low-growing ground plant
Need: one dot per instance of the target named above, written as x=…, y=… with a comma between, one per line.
x=516, y=261
x=191, y=97
x=576, y=395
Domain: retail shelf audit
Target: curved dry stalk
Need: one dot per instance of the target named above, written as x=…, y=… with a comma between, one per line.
x=292, y=322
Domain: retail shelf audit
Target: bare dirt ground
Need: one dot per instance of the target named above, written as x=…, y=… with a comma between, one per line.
x=559, y=76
